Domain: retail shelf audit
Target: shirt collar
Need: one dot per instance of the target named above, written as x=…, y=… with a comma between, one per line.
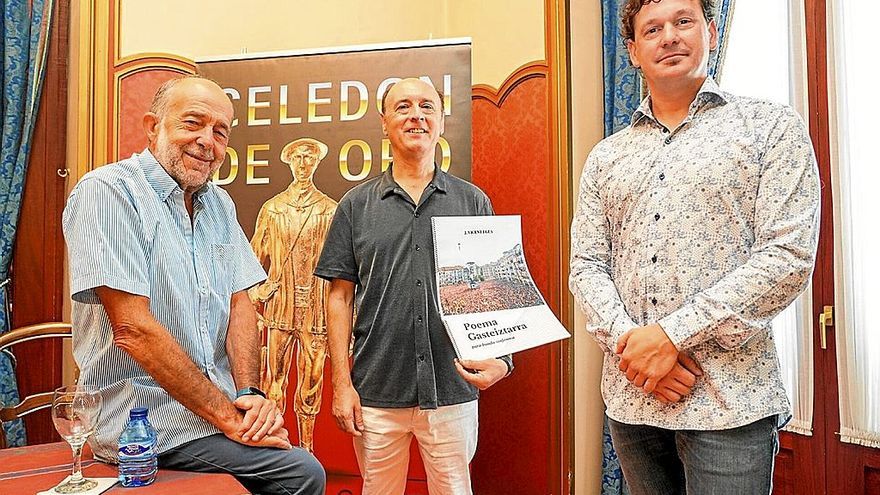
x=387, y=184
x=159, y=178
x=709, y=92
x=156, y=175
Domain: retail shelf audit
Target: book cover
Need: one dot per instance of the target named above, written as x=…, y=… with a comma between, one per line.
x=487, y=298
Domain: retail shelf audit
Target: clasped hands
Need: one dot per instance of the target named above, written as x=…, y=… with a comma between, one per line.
x=652, y=362
x=260, y=423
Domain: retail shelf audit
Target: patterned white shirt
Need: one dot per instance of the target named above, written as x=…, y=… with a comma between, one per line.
x=127, y=228
x=710, y=230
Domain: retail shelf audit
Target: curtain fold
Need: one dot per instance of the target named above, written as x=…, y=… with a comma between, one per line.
x=853, y=108
x=622, y=94
x=792, y=330
x=622, y=88
x=723, y=18
x=622, y=80
x=25, y=40
x=800, y=369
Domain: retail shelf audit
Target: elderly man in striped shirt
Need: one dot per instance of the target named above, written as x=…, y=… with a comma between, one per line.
x=159, y=272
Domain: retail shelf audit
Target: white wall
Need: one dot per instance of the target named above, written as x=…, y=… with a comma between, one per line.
x=586, y=130
x=506, y=34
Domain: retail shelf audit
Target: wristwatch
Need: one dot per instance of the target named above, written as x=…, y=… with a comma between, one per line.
x=250, y=391
x=508, y=360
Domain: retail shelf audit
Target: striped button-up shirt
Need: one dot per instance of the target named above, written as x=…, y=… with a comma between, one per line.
x=708, y=229
x=127, y=228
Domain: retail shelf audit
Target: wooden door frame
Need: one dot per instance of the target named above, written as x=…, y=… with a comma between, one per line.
x=846, y=465
x=37, y=287
x=826, y=465
x=809, y=453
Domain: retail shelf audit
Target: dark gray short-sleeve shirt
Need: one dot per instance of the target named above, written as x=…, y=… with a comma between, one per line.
x=382, y=241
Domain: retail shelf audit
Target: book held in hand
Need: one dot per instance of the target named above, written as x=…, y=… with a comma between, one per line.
x=487, y=297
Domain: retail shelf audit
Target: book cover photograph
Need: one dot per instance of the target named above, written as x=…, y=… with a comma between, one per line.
x=487, y=298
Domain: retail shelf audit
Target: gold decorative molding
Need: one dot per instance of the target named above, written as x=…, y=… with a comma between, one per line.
x=128, y=66
x=154, y=59
x=96, y=73
x=88, y=48
x=555, y=67
x=538, y=68
x=556, y=15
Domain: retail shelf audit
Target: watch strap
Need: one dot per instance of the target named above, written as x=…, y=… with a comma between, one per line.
x=508, y=360
x=250, y=391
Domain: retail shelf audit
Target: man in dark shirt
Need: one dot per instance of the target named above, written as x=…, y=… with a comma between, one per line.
x=405, y=380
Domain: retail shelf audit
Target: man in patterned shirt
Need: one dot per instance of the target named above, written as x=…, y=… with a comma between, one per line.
x=159, y=272
x=695, y=226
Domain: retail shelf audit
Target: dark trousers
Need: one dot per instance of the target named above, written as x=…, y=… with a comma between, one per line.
x=656, y=461
x=263, y=471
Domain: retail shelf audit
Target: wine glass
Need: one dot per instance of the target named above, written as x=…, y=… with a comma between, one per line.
x=75, y=410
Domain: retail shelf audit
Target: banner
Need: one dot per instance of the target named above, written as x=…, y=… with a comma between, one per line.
x=333, y=97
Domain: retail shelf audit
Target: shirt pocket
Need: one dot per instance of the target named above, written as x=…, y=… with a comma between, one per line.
x=223, y=270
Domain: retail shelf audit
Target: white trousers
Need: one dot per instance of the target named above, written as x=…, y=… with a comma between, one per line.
x=447, y=438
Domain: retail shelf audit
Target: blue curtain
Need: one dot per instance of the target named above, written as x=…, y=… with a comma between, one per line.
x=25, y=40
x=622, y=80
x=722, y=19
x=623, y=92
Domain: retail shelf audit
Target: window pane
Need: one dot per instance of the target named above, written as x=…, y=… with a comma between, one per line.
x=766, y=54
x=856, y=175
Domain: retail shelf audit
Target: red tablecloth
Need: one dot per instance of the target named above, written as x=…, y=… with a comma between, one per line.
x=28, y=470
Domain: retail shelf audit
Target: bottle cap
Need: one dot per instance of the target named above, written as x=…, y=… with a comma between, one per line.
x=138, y=412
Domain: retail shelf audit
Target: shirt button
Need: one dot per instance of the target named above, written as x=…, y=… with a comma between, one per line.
x=202, y=290
x=417, y=247
x=421, y=357
x=654, y=259
x=668, y=140
x=654, y=301
x=416, y=214
x=419, y=283
x=662, y=176
x=419, y=318
x=656, y=216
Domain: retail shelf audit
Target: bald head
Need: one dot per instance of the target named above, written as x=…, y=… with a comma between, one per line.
x=187, y=84
x=414, y=81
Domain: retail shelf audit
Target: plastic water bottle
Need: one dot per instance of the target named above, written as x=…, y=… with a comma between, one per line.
x=137, y=450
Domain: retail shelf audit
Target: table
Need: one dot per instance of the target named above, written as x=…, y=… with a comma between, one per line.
x=28, y=470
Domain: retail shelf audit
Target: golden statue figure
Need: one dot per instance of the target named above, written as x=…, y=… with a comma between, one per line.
x=289, y=234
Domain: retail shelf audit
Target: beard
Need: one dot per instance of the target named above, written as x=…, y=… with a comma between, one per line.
x=170, y=156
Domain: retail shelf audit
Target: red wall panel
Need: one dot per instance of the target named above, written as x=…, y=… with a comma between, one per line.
x=511, y=164
x=135, y=95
